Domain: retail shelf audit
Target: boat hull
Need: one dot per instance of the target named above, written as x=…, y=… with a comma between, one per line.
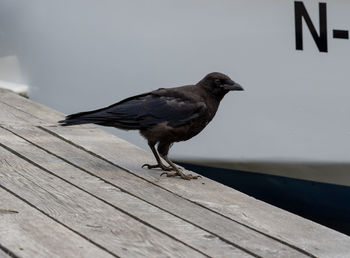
x=323, y=202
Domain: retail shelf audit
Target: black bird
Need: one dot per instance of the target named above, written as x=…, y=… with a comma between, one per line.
x=164, y=116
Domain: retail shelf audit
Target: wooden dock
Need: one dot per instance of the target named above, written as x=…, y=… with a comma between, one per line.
x=81, y=192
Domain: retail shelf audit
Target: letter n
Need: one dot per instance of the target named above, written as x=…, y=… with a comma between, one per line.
x=321, y=38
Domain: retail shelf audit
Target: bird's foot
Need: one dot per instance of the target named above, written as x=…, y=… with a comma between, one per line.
x=182, y=175
x=163, y=167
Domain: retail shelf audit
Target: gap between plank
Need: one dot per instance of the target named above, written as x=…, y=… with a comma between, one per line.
x=46, y=214
x=129, y=171
x=102, y=200
x=8, y=252
x=123, y=190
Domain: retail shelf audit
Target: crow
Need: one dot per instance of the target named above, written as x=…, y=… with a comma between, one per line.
x=164, y=116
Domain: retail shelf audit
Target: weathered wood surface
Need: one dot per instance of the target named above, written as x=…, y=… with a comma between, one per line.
x=4, y=252
x=91, y=184
x=102, y=224
x=100, y=187
x=27, y=232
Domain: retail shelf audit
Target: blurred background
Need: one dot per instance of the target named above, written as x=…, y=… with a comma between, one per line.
x=82, y=54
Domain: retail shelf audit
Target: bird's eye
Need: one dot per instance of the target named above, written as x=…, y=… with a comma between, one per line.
x=217, y=81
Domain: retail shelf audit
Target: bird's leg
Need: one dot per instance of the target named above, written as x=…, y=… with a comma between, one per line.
x=177, y=172
x=159, y=161
x=163, y=149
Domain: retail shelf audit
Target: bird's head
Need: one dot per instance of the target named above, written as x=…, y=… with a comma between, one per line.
x=219, y=84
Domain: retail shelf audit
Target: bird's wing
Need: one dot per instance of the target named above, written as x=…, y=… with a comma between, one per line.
x=153, y=109
x=145, y=110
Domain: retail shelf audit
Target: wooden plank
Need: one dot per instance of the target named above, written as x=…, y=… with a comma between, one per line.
x=230, y=203
x=214, y=223
x=26, y=232
x=18, y=110
x=102, y=224
x=9, y=115
x=4, y=253
x=33, y=109
x=158, y=218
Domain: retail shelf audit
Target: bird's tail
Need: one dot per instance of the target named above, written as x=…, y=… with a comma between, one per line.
x=101, y=117
x=78, y=119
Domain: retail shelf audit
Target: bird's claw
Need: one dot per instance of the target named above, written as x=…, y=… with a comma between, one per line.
x=183, y=176
x=165, y=168
x=190, y=176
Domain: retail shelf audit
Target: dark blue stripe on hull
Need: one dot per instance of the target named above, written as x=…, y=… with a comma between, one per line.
x=323, y=203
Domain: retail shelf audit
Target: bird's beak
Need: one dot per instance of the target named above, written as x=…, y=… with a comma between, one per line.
x=232, y=86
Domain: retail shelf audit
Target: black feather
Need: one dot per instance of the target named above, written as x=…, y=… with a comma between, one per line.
x=164, y=116
x=140, y=112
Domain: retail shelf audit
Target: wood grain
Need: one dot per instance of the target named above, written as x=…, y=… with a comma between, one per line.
x=10, y=115
x=90, y=217
x=33, y=109
x=4, y=254
x=160, y=219
x=28, y=233
x=232, y=204
x=215, y=224
x=221, y=200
